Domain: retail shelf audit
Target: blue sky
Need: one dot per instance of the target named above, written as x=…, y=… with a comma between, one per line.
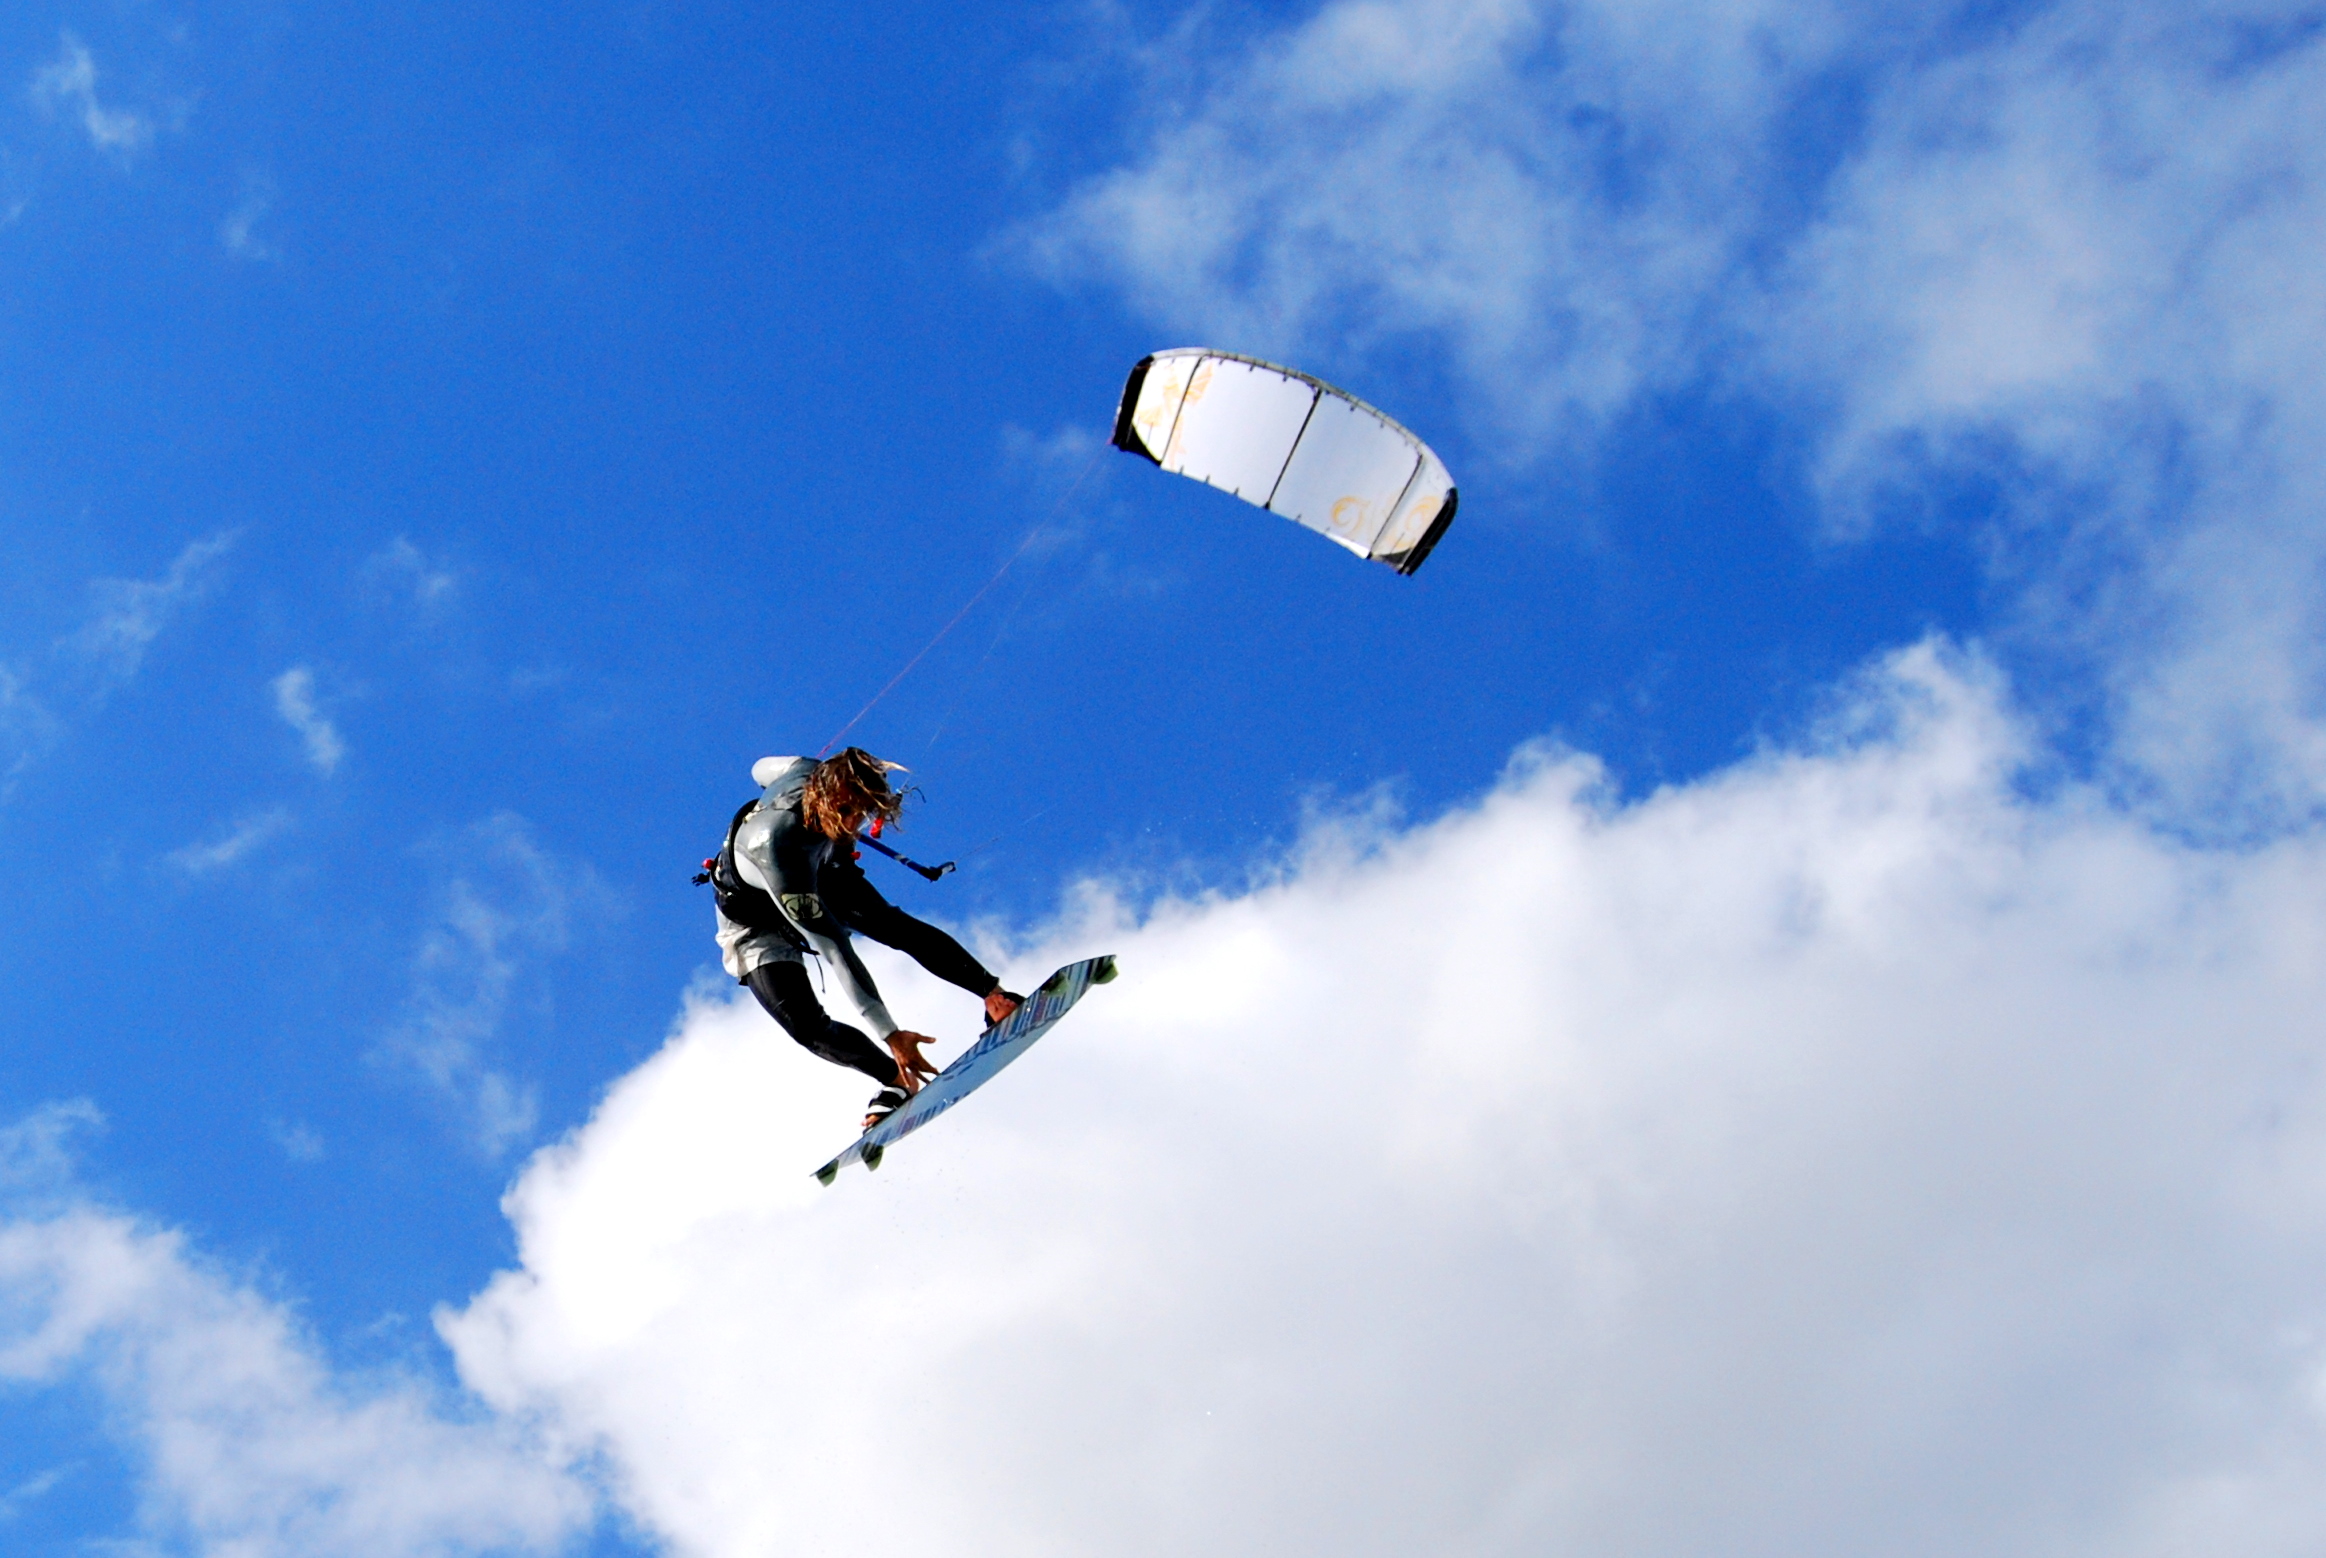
x=443, y=449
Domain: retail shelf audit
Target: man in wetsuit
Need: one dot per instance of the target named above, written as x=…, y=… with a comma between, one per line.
x=788, y=884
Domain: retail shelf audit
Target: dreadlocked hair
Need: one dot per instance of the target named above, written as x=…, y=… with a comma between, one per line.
x=847, y=788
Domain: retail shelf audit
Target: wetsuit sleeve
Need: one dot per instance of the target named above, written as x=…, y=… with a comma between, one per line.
x=859, y=906
x=854, y=977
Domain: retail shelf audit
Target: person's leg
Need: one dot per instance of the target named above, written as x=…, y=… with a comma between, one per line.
x=784, y=990
x=859, y=906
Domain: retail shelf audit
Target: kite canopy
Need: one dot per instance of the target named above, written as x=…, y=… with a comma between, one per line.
x=1291, y=444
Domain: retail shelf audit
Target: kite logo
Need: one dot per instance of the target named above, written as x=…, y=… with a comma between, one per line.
x=1162, y=400
x=1196, y=385
x=1201, y=382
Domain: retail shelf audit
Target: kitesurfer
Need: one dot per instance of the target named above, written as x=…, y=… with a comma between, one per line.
x=788, y=884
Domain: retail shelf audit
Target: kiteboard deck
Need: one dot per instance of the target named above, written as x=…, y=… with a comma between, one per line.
x=994, y=1049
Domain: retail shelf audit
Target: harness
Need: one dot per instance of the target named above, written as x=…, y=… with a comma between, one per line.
x=746, y=905
x=751, y=907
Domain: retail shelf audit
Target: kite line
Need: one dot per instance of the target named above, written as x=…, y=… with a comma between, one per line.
x=967, y=606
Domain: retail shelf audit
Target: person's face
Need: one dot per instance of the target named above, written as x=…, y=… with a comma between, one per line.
x=854, y=813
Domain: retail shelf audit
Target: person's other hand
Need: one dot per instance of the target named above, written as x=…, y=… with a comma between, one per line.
x=911, y=1064
x=999, y=1005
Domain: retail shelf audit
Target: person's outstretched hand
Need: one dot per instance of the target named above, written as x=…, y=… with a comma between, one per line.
x=999, y=1005
x=911, y=1064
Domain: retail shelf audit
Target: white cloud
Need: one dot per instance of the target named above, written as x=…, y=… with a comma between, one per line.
x=244, y=1440
x=30, y=1491
x=1556, y=192
x=132, y=613
x=68, y=85
x=295, y=702
x=1842, y=1155
x=2089, y=249
x=230, y=846
x=510, y=905
x=36, y=1151
x=2071, y=255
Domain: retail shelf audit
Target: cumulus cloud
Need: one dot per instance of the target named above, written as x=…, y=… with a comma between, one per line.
x=67, y=85
x=295, y=702
x=228, y=847
x=508, y=907
x=2067, y=256
x=243, y=1438
x=1840, y=1155
x=1859, y=1151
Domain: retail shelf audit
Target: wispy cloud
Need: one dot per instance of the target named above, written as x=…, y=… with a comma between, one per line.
x=67, y=85
x=239, y=232
x=27, y=729
x=2074, y=263
x=13, y=196
x=1458, y=170
x=132, y=613
x=240, y=1435
x=230, y=846
x=36, y=1152
x=508, y=907
x=40, y=698
x=31, y=1491
x=427, y=582
x=300, y=1142
x=295, y=701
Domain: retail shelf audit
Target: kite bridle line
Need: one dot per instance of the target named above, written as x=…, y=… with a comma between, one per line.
x=967, y=606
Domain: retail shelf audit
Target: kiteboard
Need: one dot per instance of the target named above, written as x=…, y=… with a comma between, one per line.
x=1000, y=1044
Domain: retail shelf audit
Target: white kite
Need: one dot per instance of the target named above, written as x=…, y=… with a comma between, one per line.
x=1291, y=444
